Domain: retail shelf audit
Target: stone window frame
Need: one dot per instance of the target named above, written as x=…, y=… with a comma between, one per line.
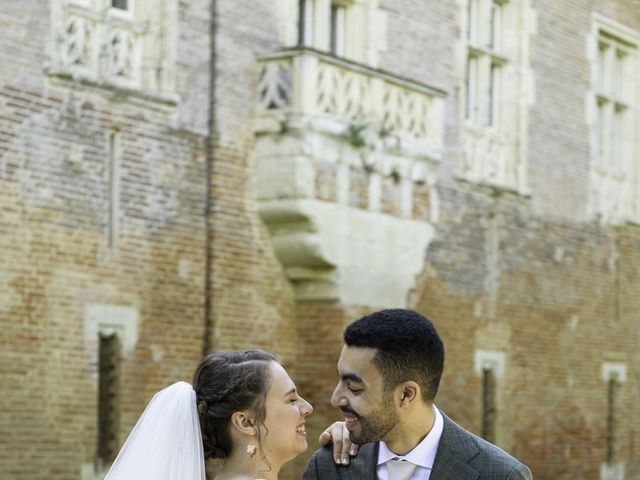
x=105, y=319
x=613, y=185
x=130, y=51
x=490, y=365
x=363, y=33
x=494, y=134
x=614, y=374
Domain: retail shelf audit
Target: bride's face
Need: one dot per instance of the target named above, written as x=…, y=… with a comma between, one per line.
x=284, y=437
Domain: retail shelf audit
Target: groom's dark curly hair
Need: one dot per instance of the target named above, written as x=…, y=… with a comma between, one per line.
x=408, y=348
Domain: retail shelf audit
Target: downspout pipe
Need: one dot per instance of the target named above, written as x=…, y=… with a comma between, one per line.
x=207, y=342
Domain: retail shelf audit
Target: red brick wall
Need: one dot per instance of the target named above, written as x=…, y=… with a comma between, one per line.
x=531, y=276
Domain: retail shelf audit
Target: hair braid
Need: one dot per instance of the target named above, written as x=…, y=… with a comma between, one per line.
x=225, y=383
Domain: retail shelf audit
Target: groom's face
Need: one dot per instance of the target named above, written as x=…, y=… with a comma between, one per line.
x=369, y=412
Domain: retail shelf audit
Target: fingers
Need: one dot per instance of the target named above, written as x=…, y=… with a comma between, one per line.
x=343, y=447
x=353, y=451
x=325, y=438
x=346, y=445
x=336, y=436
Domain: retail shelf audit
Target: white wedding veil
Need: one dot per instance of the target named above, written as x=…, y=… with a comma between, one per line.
x=166, y=443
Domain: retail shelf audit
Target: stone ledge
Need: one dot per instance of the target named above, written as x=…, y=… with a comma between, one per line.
x=336, y=253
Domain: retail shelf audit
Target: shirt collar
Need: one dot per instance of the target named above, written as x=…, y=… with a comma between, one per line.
x=424, y=453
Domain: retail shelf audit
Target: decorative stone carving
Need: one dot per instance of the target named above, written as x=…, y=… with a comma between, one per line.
x=77, y=49
x=115, y=49
x=341, y=150
x=121, y=55
x=489, y=158
x=312, y=83
x=342, y=93
x=274, y=86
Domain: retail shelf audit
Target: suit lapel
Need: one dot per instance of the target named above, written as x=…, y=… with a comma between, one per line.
x=454, y=452
x=366, y=462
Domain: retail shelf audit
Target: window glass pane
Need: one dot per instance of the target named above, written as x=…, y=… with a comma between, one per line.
x=337, y=26
x=496, y=26
x=472, y=16
x=602, y=49
x=334, y=29
x=600, y=139
x=494, y=95
x=607, y=70
x=619, y=74
x=471, y=90
x=305, y=22
x=121, y=4
x=605, y=122
x=616, y=139
x=301, y=25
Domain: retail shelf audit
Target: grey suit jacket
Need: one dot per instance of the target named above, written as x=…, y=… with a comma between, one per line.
x=461, y=456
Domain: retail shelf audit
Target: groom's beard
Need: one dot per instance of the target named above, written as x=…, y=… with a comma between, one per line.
x=376, y=425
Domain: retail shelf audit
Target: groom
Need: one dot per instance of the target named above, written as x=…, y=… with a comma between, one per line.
x=389, y=370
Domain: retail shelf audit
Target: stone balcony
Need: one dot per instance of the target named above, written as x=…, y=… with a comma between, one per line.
x=101, y=46
x=345, y=162
x=110, y=50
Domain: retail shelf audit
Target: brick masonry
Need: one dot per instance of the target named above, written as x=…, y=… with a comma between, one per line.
x=530, y=276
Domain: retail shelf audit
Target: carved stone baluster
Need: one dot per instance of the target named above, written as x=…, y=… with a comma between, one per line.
x=305, y=83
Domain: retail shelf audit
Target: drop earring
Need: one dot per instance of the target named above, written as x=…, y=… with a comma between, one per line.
x=251, y=449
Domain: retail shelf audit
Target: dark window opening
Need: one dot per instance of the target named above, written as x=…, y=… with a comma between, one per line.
x=301, y=13
x=334, y=29
x=489, y=405
x=121, y=4
x=611, y=419
x=108, y=399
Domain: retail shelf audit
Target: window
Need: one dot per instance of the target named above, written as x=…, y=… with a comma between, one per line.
x=614, y=375
x=121, y=4
x=494, y=99
x=614, y=97
x=113, y=189
x=338, y=14
x=488, y=405
x=484, y=62
x=305, y=22
x=108, y=399
x=354, y=29
x=611, y=417
x=489, y=365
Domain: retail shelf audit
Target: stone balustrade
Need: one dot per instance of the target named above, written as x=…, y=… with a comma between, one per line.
x=99, y=46
x=310, y=82
x=345, y=162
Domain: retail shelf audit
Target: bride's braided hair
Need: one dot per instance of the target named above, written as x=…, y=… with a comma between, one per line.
x=225, y=383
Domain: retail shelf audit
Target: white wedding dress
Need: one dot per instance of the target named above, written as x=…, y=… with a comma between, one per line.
x=166, y=443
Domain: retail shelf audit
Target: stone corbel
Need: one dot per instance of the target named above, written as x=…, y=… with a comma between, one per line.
x=333, y=251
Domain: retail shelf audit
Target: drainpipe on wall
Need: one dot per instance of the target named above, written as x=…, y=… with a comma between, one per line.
x=210, y=148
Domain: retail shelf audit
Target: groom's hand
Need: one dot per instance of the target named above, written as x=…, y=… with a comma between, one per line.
x=343, y=447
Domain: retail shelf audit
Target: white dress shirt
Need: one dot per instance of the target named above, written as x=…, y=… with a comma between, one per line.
x=422, y=454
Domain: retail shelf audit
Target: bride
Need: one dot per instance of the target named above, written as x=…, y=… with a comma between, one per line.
x=242, y=408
